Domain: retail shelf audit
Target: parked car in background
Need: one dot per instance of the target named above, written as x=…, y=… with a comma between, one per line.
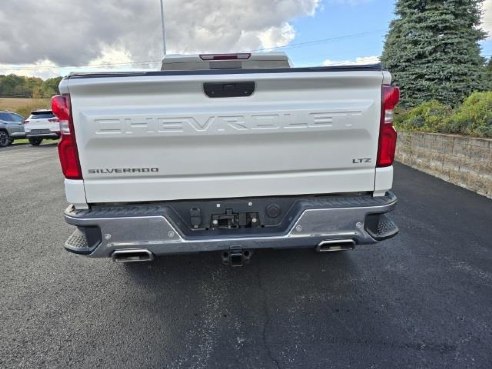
x=11, y=127
x=42, y=124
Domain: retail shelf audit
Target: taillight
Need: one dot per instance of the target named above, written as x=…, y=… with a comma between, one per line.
x=242, y=56
x=26, y=121
x=387, y=134
x=53, y=120
x=67, y=147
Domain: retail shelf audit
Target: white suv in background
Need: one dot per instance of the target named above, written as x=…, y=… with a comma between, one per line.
x=42, y=124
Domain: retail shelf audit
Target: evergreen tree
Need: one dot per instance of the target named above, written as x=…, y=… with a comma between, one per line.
x=432, y=50
x=488, y=71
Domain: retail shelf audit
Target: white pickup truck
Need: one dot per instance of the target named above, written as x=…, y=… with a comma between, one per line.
x=229, y=153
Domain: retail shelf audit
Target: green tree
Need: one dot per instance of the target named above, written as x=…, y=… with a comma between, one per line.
x=32, y=87
x=432, y=50
x=20, y=86
x=50, y=86
x=12, y=85
x=488, y=71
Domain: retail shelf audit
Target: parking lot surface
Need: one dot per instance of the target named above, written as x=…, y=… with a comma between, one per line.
x=420, y=300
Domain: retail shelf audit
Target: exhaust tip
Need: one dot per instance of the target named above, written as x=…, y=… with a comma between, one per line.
x=132, y=256
x=335, y=245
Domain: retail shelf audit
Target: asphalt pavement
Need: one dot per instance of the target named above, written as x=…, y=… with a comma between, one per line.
x=420, y=300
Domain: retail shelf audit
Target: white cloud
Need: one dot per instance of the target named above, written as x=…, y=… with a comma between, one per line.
x=277, y=36
x=80, y=33
x=487, y=18
x=111, y=56
x=362, y=60
x=42, y=68
x=350, y=2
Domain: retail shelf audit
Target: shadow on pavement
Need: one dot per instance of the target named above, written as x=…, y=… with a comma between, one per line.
x=292, y=266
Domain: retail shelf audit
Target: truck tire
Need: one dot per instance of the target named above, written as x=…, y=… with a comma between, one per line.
x=35, y=141
x=4, y=139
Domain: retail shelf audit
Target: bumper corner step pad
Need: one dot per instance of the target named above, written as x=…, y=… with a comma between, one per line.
x=78, y=243
x=381, y=227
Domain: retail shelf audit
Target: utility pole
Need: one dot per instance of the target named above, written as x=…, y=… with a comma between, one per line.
x=163, y=28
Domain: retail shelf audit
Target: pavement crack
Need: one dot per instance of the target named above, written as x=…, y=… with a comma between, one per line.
x=266, y=322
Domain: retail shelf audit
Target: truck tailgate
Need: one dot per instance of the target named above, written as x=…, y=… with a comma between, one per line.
x=151, y=137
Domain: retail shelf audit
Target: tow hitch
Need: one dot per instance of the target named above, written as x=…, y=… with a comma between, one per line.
x=236, y=256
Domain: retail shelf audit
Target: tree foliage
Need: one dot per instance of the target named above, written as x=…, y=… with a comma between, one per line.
x=430, y=116
x=20, y=86
x=488, y=71
x=432, y=50
x=473, y=117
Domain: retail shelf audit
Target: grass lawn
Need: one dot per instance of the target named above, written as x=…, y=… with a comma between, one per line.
x=25, y=141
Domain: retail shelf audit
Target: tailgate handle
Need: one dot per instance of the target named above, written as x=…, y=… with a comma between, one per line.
x=228, y=89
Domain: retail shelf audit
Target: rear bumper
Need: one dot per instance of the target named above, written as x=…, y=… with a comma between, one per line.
x=54, y=135
x=17, y=135
x=103, y=230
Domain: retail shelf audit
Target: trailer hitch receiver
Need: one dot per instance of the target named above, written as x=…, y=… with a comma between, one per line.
x=236, y=256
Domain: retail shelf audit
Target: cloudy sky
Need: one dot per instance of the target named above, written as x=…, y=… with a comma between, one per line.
x=51, y=37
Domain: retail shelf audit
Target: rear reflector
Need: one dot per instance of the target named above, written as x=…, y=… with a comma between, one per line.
x=242, y=56
x=387, y=134
x=67, y=147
